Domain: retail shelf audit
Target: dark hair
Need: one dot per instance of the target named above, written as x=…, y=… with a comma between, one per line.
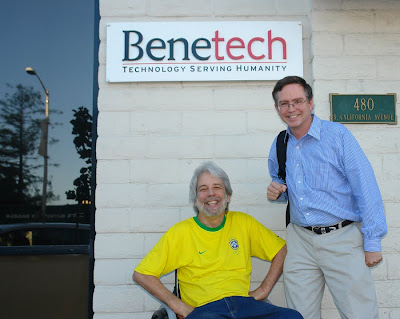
x=291, y=80
x=215, y=171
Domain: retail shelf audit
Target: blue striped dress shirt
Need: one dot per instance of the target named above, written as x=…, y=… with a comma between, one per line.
x=330, y=179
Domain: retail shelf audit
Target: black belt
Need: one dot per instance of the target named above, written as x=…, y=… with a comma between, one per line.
x=324, y=230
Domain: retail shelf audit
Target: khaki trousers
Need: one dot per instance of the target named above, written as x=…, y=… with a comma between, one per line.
x=337, y=259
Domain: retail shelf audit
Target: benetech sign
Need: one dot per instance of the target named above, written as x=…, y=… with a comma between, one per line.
x=203, y=51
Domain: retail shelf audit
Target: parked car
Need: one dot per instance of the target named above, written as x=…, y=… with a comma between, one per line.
x=32, y=234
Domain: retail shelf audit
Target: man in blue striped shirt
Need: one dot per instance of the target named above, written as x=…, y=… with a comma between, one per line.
x=336, y=210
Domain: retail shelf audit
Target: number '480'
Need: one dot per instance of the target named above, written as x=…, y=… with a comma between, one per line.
x=363, y=104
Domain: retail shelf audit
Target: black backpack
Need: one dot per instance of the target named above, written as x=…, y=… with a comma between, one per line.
x=281, y=146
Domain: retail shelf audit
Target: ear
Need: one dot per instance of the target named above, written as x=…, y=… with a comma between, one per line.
x=311, y=105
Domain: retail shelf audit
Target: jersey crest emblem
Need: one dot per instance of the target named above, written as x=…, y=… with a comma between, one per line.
x=234, y=244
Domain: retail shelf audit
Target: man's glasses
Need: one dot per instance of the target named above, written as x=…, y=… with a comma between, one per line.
x=296, y=103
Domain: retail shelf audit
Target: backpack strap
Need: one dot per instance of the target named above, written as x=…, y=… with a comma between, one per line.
x=281, y=146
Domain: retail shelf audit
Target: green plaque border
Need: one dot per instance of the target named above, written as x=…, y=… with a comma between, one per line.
x=332, y=95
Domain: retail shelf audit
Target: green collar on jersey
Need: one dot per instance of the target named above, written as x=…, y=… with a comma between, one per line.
x=210, y=228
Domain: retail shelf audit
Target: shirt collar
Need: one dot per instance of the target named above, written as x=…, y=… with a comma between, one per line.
x=210, y=229
x=315, y=128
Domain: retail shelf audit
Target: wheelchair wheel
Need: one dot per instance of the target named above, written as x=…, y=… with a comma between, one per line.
x=160, y=314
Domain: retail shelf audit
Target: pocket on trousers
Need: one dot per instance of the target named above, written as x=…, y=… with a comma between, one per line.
x=191, y=314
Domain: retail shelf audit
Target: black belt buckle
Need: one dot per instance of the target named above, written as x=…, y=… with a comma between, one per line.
x=316, y=229
x=330, y=228
x=327, y=229
x=323, y=230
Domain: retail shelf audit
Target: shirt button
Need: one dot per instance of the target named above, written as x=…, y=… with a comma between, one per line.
x=299, y=182
x=297, y=147
x=301, y=198
x=297, y=165
x=308, y=214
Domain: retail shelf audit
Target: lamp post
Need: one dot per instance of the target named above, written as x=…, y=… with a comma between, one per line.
x=44, y=124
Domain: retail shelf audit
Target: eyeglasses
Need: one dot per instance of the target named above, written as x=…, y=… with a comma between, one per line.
x=296, y=103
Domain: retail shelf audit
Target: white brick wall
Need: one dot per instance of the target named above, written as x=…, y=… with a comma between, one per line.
x=151, y=136
x=356, y=49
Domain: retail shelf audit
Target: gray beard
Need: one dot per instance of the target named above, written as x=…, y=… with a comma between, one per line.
x=204, y=210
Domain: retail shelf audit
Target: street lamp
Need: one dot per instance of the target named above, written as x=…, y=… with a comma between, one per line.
x=44, y=124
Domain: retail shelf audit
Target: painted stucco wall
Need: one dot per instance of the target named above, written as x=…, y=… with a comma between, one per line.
x=151, y=136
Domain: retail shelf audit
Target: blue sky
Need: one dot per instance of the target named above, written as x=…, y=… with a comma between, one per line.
x=56, y=38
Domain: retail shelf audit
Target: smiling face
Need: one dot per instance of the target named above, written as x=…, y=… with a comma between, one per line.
x=298, y=117
x=211, y=195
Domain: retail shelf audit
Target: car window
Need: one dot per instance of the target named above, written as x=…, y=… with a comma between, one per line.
x=53, y=235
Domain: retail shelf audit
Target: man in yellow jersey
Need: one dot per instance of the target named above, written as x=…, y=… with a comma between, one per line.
x=212, y=253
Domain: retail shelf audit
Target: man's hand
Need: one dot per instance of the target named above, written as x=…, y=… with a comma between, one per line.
x=373, y=258
x=183, y=311
x=274, y=190
x=258, y=294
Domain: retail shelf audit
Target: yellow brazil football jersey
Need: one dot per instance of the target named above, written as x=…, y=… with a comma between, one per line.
x=212, y=263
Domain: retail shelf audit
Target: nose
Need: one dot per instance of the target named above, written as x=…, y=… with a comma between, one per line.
x=211, y=192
